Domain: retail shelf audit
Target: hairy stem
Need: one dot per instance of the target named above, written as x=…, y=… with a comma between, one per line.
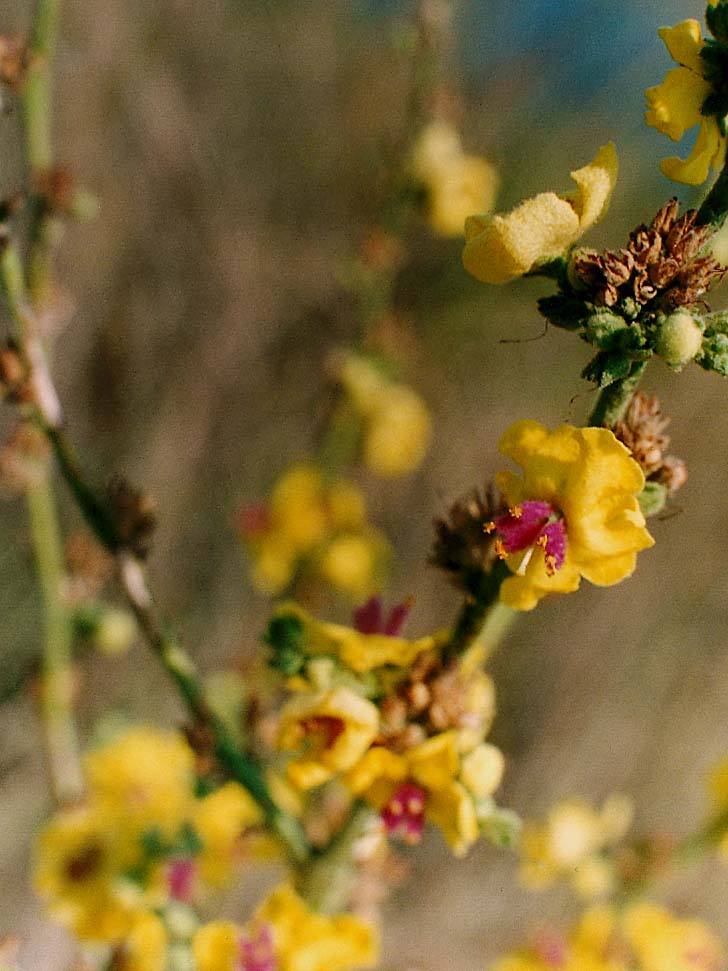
x=613, y=400
x=477, y=615
x=715, y=205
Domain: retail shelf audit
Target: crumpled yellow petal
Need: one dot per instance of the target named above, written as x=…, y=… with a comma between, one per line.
x=502, y=247
x=435, y=763
x=674, y=106
x=684, y=42
x=709, y=152
x=595, y=183
x=452, y=810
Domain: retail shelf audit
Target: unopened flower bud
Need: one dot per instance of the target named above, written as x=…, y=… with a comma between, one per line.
x=602, y=327
x=115, y=631
x=679, y=339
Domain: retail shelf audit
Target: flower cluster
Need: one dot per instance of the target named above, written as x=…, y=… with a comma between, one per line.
x=313, y=528
x=643, y=937
x=694, y=94
x=141, y=839
x=574, y=513
x=396, y=426
x=455, y=183
x=130, y=867
x=392, y=721
x=574, y=844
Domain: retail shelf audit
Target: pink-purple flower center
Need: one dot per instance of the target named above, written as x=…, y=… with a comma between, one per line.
x=256, y=950
x=404, y=814
x=525, y=527
x=181, y=873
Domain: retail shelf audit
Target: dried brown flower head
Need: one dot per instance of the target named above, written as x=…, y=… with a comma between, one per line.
x=642, y=430
x=462, y=548
x=660, y=263
x=133, y=515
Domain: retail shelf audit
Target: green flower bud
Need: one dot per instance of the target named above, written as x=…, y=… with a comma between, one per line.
x=679, y=339
x=601, y=328
x=114, y=632
x=714, y=355
x=652, y=499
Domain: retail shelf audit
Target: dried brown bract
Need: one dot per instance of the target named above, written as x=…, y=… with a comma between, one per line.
x=133, y=515
x=462, y=548
x=642, y=430
x=661, y=263
x=13, y=61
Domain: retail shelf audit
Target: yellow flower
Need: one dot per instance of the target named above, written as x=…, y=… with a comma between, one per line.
x=397, y=424
x=426, y=783
x=502, y=247
x=334, y=729
x=663, y=942
x=573, y=513
x=78, y=872
x=145, y=946
x=570, y=845
x=457, y=184
x=676, y=105
x=286, y=936
x=220, y=820
x=143, y=780
x=349, y=563
x=360, y=652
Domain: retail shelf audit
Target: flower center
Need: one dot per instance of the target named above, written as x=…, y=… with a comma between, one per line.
x=181, y=878
x=530, y=525
x=256, y=951
x=322, y=731
x=404, y=814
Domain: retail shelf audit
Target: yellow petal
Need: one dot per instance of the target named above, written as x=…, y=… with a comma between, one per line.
x=708, y=153
x=452, y=810
x=378, y=763
x=508, y=246
x=482, y=770
x=675, y=105
x=434, y=763
x=684, y=42
x=595, y=183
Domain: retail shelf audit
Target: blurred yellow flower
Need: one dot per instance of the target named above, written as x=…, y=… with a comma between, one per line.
x=457, y=184
x=502, y=247
x=220, y=820
x=571, y=845
x=145, y=946
x=397, y=424
x=333, y=730
x=676, y=105
x=286, y=936
x=143, y=780
x=573, y=513
x=427, y=783
x=315, y=527
x=663, y=942
x=78, y=872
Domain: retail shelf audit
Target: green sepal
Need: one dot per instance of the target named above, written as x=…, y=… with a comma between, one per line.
x=564, y=311
x=714, y=354
x=607, y=367
x=287, y=637
x=652, y=499
x=502, y=827
x=716, y=17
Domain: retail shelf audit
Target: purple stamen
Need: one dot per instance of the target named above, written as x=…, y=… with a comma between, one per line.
x=532, y=523
x=370, y=619
x=256, y=950
x=180, y=878
x=404, y=814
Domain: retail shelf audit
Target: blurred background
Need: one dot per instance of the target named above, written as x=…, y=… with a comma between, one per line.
x=229, y=144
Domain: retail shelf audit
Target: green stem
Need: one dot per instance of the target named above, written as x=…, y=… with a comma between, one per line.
x=57, y=689
x=325, y=881
x=481, y=615
x=613, y=400
x=37, y=103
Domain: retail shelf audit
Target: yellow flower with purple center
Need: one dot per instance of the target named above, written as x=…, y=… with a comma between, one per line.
x=430, y=782
x=505, y=246
x=573, y=513
x=692, y=94
x=332, y=730
x=285, y=935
